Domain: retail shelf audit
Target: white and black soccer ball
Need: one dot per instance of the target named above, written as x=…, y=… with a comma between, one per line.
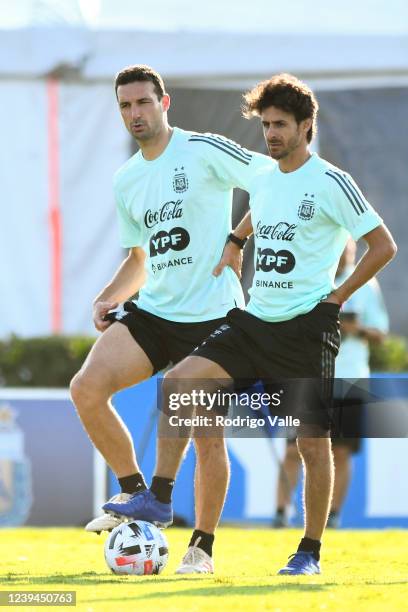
x=137, y=548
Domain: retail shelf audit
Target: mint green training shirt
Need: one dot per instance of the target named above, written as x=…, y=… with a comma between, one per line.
x=301, y=222
x=178, y=209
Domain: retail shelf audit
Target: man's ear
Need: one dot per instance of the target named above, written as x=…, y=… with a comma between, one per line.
x=306, y=124
x=165, y=101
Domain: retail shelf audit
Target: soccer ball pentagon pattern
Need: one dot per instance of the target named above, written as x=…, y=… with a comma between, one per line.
x=137, y=548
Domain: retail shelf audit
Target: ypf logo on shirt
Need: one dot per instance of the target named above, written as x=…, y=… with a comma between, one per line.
x=282, y=261
x=176, y=239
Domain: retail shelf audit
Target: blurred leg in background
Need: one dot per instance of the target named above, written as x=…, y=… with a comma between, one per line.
x=288, y=478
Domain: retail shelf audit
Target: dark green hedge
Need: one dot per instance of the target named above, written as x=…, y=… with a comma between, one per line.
x=42, y=362
x=390, y=356
x=53, y=360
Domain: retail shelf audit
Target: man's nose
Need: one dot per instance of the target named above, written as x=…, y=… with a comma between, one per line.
x=270, y=134
x=135, y=111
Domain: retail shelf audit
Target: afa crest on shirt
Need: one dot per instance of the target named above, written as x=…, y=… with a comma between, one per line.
x=180, y=180
x=306, y=208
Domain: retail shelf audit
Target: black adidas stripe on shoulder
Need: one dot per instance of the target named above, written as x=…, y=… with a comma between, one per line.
x=230, y=144
x=353, y=196
x=225, y=145
x=357, y=194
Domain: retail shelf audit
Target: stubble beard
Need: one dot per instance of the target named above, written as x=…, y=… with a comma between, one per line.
x=293, y=144
x=150, y=134
x=143, y=136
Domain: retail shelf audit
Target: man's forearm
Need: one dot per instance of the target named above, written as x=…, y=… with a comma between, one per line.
x=244, y=227
x=127, y=281
x=369, y=265
x=381, y=249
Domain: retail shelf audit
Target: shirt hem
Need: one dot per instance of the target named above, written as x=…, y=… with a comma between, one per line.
x=188, y=318
x=281, y=319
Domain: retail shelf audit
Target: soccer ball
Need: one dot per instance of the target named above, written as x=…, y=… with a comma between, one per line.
x=137, y=548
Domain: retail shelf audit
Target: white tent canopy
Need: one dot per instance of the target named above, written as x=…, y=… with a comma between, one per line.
x=259, y=16
x=225, y=41
x=191, y=57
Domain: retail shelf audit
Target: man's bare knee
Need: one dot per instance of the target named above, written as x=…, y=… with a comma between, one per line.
x=209, y=446
x=88, y=391
x=176, y=391
x=176, y=380
x=314, y=450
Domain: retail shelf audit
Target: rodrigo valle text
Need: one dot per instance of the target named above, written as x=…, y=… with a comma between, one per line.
x=237, y=421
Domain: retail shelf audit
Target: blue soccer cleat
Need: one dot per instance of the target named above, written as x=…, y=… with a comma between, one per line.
x=301, y=563
x=142, y=506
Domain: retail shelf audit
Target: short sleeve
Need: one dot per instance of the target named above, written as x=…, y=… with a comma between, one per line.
x=130, y=234
x=230, y=164
x=348, y=206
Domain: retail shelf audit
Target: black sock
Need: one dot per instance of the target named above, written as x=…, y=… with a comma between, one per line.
x=311, y=546
x=333, y=513
x=133, y=483
x=280, y=512
x=162, y=489
x=202, y=540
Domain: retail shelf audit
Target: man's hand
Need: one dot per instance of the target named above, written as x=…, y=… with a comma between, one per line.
x=333, y=298
x=232, y=257
x=100, y=309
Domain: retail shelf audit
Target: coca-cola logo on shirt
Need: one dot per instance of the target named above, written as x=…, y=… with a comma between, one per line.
x=169, y=211
x=280, y=231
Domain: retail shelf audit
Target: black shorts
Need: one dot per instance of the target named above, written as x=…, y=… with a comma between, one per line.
x=353, y=444
x=349, y=421
x=164, y=342
x=303, y=348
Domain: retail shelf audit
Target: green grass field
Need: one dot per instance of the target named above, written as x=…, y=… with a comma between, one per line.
x=362, y=570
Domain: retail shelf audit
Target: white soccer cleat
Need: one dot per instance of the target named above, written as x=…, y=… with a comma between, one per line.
x=107, y=522
x=196, y=561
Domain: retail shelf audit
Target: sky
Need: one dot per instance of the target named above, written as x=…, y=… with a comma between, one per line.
x=347, y=16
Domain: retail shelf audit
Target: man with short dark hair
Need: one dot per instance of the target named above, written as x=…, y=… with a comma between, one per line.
x=174, y=200
x=140, y=73
x=303, y=211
